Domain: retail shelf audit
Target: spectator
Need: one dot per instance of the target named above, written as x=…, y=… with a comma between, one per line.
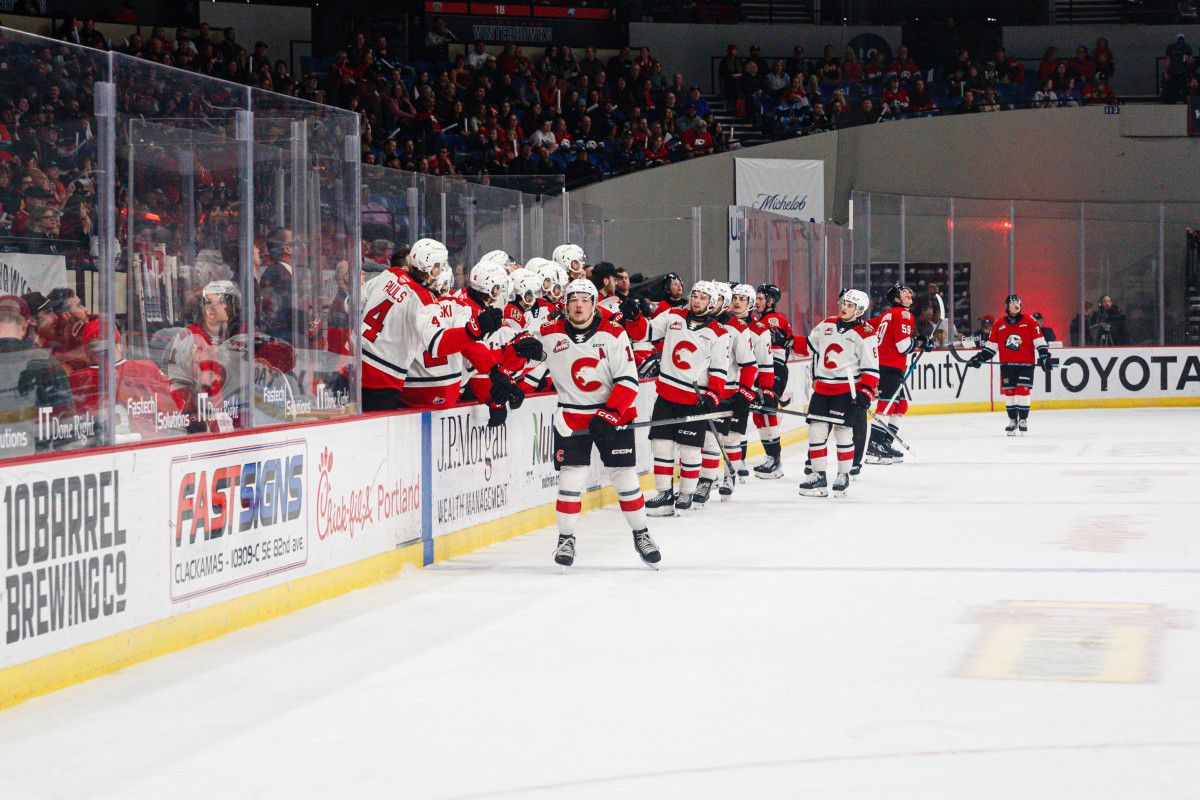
x=31, y=379
x=1098, y=92
x=655, y=153
x=903, y=66
x=1107, y=325
x=777, y=80
x=1045, y=97
x=757, y=58
x=967, y=104
x=829, y=69
x=1047, y=331
x=895, y=99
x=697, y=141
x=852, y=68
x=919, y=100
x=876, y=71
x=437, y=40
x=1175, y=73
x=694, y=99
x=1070, y=96
x=1008, y=69
x=752, y=91
x=1048, y=67
x=1081, y=326
x=1081, y=67
x=797, y=64
x=989, y=101
x=729, y=72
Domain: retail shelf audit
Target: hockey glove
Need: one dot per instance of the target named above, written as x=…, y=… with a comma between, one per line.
x=529, y=347
x=649, y=367
x=862, y=402
x=1044, y=361
x=919, y=343
x=497, y=416
x=978, y=360
x=630, y=309
x=770, y=399
x=645, y=305
x=741, y=401
x=504, y=390
x=779, y=337
x=706, y=402
x=603, y=426
x=486, y=322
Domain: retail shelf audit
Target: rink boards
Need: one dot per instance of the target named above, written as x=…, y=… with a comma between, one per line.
x=118, y=556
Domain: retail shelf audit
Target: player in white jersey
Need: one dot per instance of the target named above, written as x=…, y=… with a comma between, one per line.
x=750, y=354
x=402, y=319
x=591, y=362
x=526, y=289
x=695, y=361
x=436, y=381
x=710, y=451
x=553, y=279
x=845, y=356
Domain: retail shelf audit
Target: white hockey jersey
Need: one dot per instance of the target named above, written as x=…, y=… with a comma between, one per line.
x=591, y=369
x=695, y=352
x=743, y=360
x=436, y=380
x=840, y=350
x=401, y=319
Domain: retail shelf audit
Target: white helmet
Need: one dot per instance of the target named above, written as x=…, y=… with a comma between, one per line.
x=554, y=277
x=499, y=257
x=526, y=285
x=747, y=291
x=427, y=254
x=445, y=282
x=705, y=288
x=491, y=279
x=724, y=295
x=535, y=264
x=581, y=285
x=565, y=254
x=858, y=299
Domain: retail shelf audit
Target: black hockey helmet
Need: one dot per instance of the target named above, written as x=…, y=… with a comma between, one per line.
x=771, y=292
x=893, y=294
x=1012, y=298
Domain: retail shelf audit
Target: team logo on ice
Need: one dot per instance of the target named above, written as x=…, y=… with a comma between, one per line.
x=1013, y=342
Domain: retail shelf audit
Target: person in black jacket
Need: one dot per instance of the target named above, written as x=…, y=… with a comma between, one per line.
x=1107, y=325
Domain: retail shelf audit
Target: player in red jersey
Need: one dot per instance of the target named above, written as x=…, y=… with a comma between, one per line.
x=675, y=297
x=845, y=358
x=1019, y=341
x=436, y=381
x=782, y=339
x=896, y=331
x=591, y=361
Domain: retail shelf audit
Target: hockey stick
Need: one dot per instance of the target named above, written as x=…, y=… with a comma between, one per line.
x=761, y=409
x=712, y=428
x=949, y=338
x=854, y=394
x=654, y=423
x=903, y=382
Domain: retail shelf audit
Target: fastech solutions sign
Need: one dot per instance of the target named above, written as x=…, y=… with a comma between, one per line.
x=237, y=516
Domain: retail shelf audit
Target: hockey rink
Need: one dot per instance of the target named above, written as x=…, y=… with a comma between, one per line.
x=996, y=618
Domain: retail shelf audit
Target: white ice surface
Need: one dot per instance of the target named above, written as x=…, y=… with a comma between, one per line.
x=790, y=647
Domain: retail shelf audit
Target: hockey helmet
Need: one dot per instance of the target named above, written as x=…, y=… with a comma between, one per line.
x=491, y=280
x=771, y=292
x=427, y=254
x=566, y=254
x=897, y=291
x=724, y=295
x=499, y=257
x=226, y=292
x=858, y=299
x=526, y=285
x=581, y=286
x=1012, y=298
x=554, y=277
x=745, y=290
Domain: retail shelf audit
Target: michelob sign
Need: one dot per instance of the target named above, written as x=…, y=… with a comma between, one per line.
x=786, y=186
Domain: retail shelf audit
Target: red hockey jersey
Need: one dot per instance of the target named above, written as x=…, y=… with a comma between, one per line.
x=1017, y=340
x=894, y=329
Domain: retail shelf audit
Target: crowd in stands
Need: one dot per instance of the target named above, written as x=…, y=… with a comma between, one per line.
x=805, y=94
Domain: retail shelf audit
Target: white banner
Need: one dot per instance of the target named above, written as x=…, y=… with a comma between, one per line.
x=787, y=186
x=26, y=272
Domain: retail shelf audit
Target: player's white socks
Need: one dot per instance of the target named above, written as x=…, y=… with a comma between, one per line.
x=663, y=451
x=818, y=434
x=571, y=483
x=733, y=449
x=845, y=447
x=711, y=458
x=629, y=494
x=689, y=468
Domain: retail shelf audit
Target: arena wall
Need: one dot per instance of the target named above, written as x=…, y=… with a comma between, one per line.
x=117, y=556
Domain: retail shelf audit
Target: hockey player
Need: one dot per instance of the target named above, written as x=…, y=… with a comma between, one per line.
x=591, y=362
x=695, y=357
x=402, y=319
x=780, y=330
x=436, y=381
x=1019, y=341
x=501, y=258
x=756, y=335
x=526, y=289
x=553, y=281
x=488, y=289
x=895, y=329
x=675, y=298
x=197, y=367
x=572, y=259
x=618, y=305
x=845, y=358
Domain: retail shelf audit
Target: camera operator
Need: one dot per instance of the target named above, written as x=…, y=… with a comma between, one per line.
x=1107, y=325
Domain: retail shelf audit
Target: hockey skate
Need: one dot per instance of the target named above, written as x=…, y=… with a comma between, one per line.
x=840, y=484
x=703, y=490
x=661, y=505
x=877, y=453
x=727, y=484
x=683, y=502
x=814, y=485
x=743, y=473
x=646, y=548
x=895, y=454
x=1023, y=426
x=564, y=554
x=1011, y=427
x=770, y=469
x=855, y=470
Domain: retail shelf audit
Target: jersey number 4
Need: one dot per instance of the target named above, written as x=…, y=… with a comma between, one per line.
x=373, y=320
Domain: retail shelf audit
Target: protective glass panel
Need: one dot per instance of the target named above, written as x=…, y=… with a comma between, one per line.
x=1047, y=253
x=981, y=256
x=55, y=311
x=1121, y=269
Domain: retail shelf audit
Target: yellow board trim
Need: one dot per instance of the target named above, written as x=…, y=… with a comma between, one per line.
x=84, y=662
